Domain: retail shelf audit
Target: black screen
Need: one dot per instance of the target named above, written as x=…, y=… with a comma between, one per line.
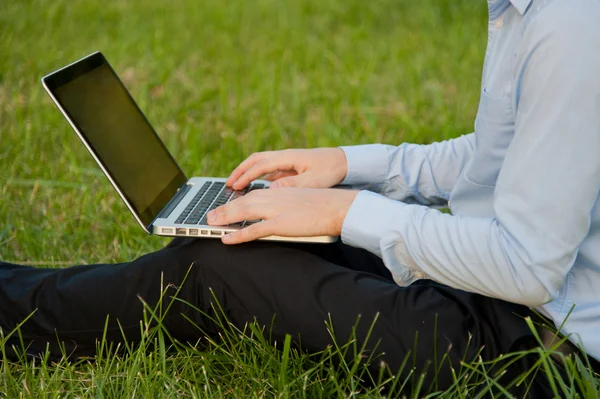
x=119, y=134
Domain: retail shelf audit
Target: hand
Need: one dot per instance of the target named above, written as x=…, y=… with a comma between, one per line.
x=288, y=212
x=317, y=168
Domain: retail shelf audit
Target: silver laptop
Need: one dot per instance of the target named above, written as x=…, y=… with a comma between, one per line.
x=135, y=160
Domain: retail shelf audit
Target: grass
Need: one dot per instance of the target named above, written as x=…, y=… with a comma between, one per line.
x=219, y=80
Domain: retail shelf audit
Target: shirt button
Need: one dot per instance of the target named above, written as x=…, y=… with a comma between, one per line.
x=499, y=23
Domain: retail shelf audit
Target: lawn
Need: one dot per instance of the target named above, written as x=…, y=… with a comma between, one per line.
x=218, y=80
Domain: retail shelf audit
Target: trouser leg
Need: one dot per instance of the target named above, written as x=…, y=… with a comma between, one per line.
x=292, y=289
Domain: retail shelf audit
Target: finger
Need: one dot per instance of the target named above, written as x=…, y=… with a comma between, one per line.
x=244, y=208
x=242, y=167
x=279, y=175
x=291, y=181
x=250, y=233
x=266, y=165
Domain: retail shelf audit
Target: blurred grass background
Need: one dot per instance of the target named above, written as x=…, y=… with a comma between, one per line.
x=218, y=80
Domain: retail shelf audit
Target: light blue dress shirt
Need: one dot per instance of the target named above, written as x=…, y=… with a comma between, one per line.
x=523, y=188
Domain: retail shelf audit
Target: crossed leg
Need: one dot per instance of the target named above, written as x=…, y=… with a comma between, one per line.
x=293, y=289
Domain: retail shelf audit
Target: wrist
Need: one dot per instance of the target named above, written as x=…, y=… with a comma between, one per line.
x=341, y=164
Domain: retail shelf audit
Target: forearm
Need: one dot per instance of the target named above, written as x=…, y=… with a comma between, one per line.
x=424, y=174
x=473, y=254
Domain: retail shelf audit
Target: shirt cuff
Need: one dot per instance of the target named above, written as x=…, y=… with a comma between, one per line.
x=370, y=224
x=367, y=220
x=366, y=164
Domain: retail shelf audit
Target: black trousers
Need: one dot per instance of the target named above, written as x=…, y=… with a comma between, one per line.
x=292, y=288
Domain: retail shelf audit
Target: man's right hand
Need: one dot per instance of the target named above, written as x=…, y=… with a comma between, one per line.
x=315, y=168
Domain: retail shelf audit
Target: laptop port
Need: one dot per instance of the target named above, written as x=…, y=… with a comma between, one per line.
x=180, y=232
x=167, y=231
x=193, y=232
x=215, y=233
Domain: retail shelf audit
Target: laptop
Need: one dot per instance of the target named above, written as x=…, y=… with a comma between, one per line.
x=135, y=160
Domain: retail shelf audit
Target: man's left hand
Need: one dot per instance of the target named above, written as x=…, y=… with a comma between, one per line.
x=288, y=212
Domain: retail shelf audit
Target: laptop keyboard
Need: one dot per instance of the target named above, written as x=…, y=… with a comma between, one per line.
x=210, y=196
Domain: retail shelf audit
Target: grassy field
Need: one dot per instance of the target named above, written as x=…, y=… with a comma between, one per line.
x=219, y=80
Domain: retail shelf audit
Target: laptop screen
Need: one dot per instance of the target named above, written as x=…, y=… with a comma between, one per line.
x=118, y=134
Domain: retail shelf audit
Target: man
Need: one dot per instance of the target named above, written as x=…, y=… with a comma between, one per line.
x=524, y=232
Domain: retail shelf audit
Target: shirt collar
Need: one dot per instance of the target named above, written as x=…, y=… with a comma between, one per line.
x=521, y=5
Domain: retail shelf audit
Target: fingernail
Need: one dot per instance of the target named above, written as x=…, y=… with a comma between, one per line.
x=226, y=238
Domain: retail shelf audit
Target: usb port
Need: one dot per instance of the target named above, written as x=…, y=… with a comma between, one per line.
x=193, y=232
x=204, y=232
x=215, y=233
x=180, y=232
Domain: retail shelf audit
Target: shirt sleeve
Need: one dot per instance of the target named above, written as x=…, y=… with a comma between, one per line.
x=546, y=191
x=423, y=174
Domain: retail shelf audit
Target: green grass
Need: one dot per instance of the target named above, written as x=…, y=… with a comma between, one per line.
x=219, y=80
